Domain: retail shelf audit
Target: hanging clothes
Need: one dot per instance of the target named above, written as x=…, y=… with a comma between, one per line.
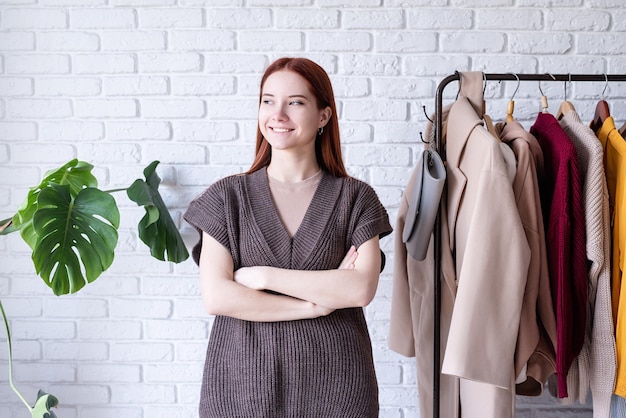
x=535, y=354
x=594, y=367
x=480, y=198
x=483, y=284
x=565, y=235
x=411, y=330
x=584, y=358
x=490, y=276
x=615, y=170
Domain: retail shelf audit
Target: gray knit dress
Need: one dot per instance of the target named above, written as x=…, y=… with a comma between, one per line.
x=319, y=367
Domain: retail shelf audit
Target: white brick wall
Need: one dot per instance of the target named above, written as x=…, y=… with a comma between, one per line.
x=120, y=83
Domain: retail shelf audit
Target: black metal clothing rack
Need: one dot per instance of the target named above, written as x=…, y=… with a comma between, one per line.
x=437, y=236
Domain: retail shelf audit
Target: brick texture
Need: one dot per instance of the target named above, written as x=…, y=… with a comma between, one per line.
x=120, y=83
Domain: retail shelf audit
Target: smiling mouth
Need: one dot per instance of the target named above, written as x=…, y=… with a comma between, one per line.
x=281, y=130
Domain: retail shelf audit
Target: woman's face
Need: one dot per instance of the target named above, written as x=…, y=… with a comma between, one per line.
x=288, y=113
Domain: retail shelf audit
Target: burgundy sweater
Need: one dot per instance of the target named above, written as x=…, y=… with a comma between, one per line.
x=561, y=199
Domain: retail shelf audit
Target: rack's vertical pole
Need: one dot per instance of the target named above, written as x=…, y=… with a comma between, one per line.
x=437, y=244
x=436, y=278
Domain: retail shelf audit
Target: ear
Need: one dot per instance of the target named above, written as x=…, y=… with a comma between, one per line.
x=325, y=115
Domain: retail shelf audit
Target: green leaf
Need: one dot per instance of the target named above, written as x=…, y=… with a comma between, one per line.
x=76, y=237
x=44, y=402
x=156, y=229
x=23, y=219
x=76, y=174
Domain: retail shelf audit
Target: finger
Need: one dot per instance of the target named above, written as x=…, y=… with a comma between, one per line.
x=349, y=259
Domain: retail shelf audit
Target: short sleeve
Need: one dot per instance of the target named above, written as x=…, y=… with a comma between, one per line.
x=370, y=216
x=207, y=213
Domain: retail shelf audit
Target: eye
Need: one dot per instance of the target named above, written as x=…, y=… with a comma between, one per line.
x=296, y=102
x=267, y=101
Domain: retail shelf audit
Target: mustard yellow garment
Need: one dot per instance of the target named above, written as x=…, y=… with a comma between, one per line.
x=615, y=168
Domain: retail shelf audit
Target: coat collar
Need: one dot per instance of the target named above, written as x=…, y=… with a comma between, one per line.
x=513, y=130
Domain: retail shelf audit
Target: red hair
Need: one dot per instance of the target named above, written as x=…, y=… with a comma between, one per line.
x=327, y=145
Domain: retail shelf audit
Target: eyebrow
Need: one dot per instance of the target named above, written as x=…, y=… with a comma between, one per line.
x=290, y=96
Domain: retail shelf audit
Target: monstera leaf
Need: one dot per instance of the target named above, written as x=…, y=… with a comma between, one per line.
x=156, y=229
x=45, y=401
x=71, y=225
x=76, y=174
x=76, y=236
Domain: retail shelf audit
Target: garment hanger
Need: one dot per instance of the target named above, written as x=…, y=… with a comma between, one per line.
x=421, y=133
x=488, y=122
x=602, y=109
x=544, y=99
x=566, y=106
x=511, y=106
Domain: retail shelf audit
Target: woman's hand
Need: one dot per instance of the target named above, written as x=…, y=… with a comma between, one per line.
x=251, y=277
x=348, y=261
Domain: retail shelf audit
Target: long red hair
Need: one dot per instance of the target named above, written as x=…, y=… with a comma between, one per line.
x=327, y=145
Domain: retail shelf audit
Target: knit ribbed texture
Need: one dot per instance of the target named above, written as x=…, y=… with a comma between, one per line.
x=321, y=367
x=595, y=365
x=561, y=197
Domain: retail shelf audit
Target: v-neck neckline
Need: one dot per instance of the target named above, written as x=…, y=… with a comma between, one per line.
x=287, y=250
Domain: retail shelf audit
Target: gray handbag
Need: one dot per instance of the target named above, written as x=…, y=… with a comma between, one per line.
x=424, y=196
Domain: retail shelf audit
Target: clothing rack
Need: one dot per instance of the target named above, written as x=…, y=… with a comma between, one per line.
x=437, y=235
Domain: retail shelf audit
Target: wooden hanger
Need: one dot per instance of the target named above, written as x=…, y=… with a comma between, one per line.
x=544, y=99
x=490, y=127
x=564, y=109
x=566, y=106
x=511, y=105
x=602, y=110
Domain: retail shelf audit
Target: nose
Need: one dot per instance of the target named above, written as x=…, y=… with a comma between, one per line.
x=280, y=114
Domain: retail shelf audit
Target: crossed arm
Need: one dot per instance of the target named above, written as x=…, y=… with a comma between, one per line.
x=304, y=294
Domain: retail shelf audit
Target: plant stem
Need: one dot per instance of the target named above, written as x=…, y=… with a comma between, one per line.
x=116, y=190
x=6, y=325
x=5, y=223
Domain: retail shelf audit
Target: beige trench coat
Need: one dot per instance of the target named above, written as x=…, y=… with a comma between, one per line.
x=485, y=258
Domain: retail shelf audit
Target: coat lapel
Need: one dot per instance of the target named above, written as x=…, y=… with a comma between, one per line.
x=461, y=122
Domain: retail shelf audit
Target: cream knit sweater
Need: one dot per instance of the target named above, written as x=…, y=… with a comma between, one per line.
x=594, y=368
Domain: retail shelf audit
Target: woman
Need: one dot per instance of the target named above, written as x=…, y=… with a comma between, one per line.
x=288, y=256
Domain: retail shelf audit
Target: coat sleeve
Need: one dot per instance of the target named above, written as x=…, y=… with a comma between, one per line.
x=401, y=338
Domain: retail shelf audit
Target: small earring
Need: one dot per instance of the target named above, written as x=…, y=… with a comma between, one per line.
x=320, y=131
